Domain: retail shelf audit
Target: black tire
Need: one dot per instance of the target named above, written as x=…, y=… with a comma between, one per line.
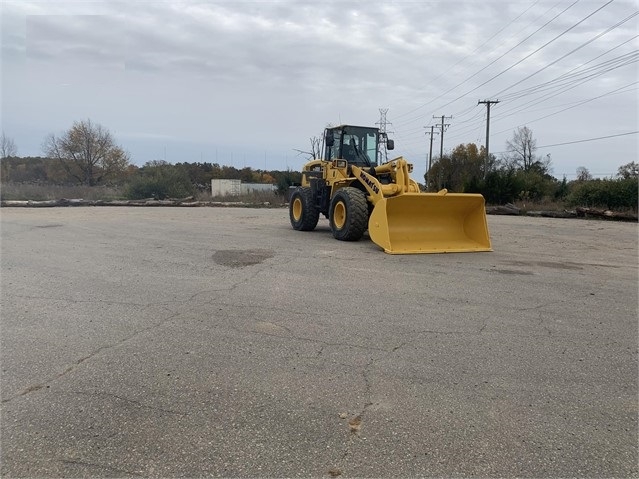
x=348, y=214
x=302, y=210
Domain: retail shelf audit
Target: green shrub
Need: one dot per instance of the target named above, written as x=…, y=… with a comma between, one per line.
x=562, y=190
x=286, y=179
x=499, y=187
x=160, y=180
x=606, y=193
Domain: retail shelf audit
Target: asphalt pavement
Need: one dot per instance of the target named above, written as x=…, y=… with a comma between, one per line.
x=190, y=342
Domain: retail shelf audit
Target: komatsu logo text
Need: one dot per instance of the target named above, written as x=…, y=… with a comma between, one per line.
x=369, y=182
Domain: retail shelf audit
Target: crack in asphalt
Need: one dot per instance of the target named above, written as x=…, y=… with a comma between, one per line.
x=544, y=325
x=355, y=423
x=127, y=400
x=175, y=314
x=357, y=420
x=94, y=353
x=78, y=301
x=323, y=343
x=134, y=334
x=118, y=303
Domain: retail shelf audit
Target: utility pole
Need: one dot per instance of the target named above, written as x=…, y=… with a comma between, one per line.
x=487, y=103
x=430, y=155
x=382, y=154
x=442, y=127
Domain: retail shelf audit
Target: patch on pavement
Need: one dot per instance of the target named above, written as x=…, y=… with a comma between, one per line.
x=242, y=257
x=269, y=328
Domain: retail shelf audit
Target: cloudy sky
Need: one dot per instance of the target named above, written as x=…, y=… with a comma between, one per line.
x=246, y=83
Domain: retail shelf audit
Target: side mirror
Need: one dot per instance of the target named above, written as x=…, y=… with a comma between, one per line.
x=330, y=141
x=390, y=145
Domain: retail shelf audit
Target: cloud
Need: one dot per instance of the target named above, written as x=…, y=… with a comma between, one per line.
x=246, y=71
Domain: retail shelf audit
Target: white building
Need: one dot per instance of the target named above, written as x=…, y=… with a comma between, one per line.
x=237, y=188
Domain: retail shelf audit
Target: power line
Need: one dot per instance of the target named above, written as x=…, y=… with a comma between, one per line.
x=612, y=92
x=471, y=54
x=563, y=89
x=477, y=115
x=561, y=84
x=604, y=67
x=544, y=91
x=530, y=54
x=585, y=140
x=568, y=106
x=590, y=139
x=617, y=91
x=571, y=72
x=577, y=78
x=571, y=52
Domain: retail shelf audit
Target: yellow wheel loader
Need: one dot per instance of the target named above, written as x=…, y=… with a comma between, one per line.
x=356, y=194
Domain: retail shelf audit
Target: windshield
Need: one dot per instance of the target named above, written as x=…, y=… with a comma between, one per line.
x=359, y=145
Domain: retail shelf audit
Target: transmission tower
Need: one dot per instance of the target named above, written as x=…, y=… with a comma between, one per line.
x=382, y=152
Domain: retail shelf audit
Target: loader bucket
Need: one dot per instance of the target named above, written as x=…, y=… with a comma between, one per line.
x=430, y=223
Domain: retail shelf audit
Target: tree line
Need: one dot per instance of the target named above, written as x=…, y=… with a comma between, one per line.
x=156, y=179
x=87, y=154
x=522, y=175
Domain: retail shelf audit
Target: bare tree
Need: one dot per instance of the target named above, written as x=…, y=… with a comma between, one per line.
x=87, y=152
x=316, y=148
x=522, y=148
x=7, y=146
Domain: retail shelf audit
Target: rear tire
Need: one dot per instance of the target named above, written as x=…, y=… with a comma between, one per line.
x=302, y=210
x=348, y=214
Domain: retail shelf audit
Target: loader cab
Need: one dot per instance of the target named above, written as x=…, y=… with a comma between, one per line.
x=356, y=144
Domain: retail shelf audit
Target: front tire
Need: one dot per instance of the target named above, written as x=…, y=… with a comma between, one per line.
x=302, y=210
x=348, y=214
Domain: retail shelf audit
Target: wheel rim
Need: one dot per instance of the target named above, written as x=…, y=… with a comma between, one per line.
x=297, y=209
x=339, y=215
